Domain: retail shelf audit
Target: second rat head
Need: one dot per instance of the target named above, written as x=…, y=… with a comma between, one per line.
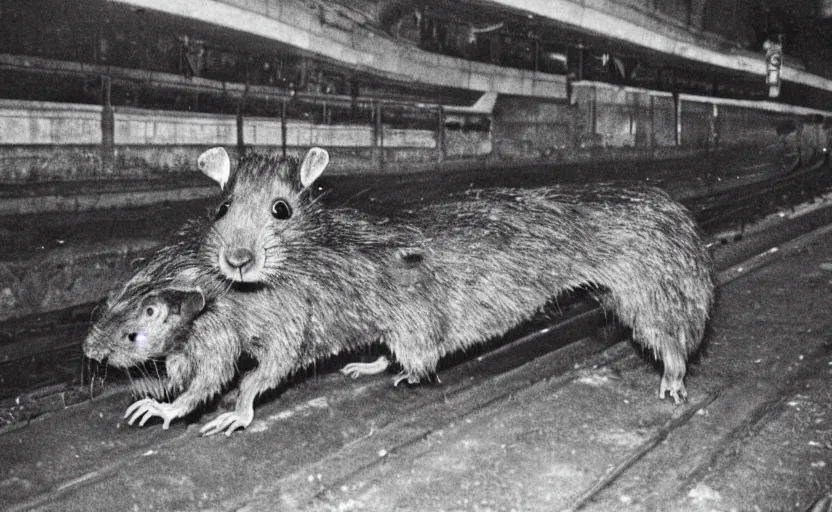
x=265, y=213
x=142, y=323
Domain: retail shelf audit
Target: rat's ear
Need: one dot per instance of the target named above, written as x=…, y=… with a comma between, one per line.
x=186, y=302
x=313, y=165
x=215, y=164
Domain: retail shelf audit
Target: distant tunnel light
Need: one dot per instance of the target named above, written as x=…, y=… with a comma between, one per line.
x=560, y=57
x=825, y=9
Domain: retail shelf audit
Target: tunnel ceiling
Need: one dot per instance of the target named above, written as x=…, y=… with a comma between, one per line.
x=739, y=23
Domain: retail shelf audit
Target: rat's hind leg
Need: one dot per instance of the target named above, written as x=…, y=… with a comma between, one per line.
x=415, y=340
x=661, y=325
x=356, y=370
x=670, y=350
x=417, y=357
x=673, y=354
x=673, y=378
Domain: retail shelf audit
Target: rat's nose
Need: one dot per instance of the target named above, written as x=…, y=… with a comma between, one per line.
x=97, y=353
x=239, y=257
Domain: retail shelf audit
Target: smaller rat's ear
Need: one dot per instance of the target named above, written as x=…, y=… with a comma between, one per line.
x=215, y=164
x=192, y=304
x=186, y=302
x=313, y=165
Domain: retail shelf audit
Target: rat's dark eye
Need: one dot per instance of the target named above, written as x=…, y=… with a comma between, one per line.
x=149, y=311
x=281, y=209
x=139, y=338
x=222, y=210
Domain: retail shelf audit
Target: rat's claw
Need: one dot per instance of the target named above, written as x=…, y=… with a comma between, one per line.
x=356, y=370
x=136, y=405
x=227, y=421
x=404, y=375
x=675, y=388
x=147, y=408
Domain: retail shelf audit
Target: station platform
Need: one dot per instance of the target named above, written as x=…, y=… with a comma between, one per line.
x=580, y=428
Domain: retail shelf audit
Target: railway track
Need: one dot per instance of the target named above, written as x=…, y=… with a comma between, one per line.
x=742, y=205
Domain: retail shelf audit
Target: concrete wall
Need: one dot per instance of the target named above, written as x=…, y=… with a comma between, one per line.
x=606, y=122
x=769, y=134
x=532, y=129
x=598, y=116
x=65, y=277
x=53, y=141
x=43, y=123
x=42, y=141
x=467, y=144
x=695, y=124
x=624, y=117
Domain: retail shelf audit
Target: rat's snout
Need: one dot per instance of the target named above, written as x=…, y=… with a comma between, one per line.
x=240, y=264
x=95, y=350
x=239, y=258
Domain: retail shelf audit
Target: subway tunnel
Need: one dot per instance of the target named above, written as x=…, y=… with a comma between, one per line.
x=108, y=106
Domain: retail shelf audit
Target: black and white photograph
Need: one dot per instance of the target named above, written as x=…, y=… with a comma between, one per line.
x=416, y=255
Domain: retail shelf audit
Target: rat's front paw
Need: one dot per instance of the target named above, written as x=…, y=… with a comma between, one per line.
x=147, y=408
x=229, y=422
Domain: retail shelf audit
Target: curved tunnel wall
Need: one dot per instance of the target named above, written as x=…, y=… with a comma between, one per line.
x=43, y=141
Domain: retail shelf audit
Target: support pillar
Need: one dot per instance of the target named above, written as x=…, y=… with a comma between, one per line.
x=441, y=142
x=378, y=138
x=108, y=126
x=241, y=143
x=283, y=112
x=677, y=108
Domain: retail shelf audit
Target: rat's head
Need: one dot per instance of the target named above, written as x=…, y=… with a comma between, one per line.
x=266, y=212
x=142, y=323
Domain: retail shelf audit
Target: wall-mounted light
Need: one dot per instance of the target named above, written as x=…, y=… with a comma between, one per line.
x=472, y=31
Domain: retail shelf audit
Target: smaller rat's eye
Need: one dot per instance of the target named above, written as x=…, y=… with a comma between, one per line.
x=222, y=210
x=149, y=311
x=137, y=337
x=281, y=209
